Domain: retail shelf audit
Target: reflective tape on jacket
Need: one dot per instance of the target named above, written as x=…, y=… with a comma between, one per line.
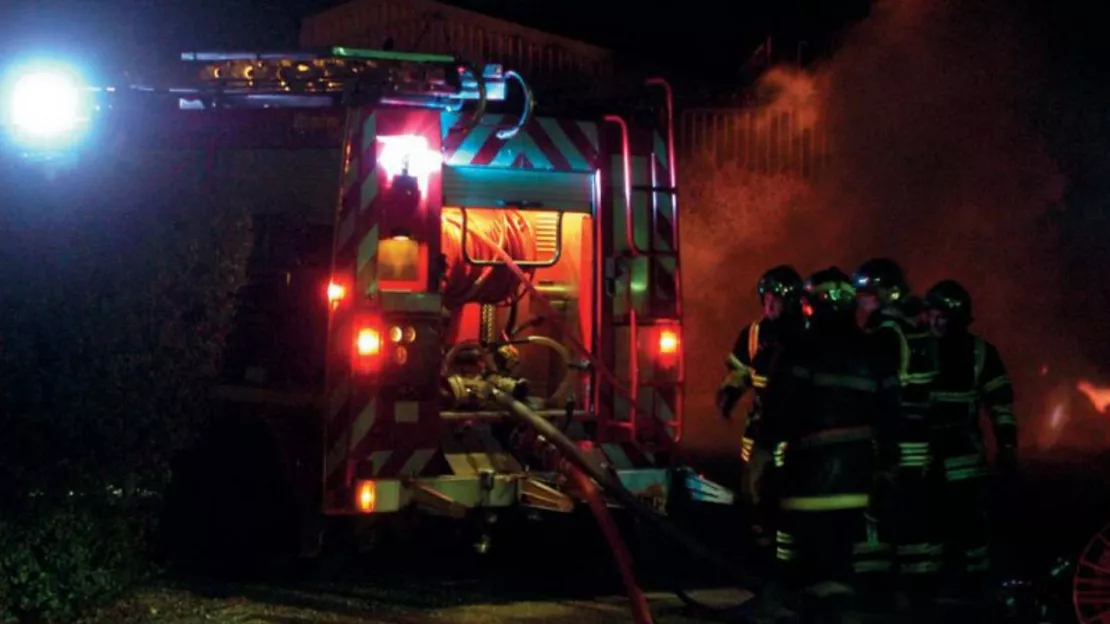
x=780, y=454
x=753, y=341
x=1003, y=415
x=961, y=398
x=759, y=381
x=746, y=446
x=996, y=383
x=834, y=502
x=914, y=454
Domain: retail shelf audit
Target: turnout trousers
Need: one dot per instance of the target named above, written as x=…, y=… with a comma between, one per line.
x=962, y=516
x=825, y=532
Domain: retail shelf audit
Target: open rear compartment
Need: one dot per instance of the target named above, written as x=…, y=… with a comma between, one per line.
x=485, y=303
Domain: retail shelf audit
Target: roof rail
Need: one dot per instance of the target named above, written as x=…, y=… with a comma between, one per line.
x=321, y=78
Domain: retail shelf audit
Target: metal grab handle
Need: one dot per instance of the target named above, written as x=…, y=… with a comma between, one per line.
x=626, y=166
x=525, y=115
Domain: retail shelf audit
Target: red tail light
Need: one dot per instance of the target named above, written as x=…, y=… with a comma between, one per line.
x=367, y=348
x=336, y=293
x=366, y=496
x=668, y=345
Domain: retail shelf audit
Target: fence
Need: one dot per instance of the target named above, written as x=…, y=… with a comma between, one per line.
x=761, y=141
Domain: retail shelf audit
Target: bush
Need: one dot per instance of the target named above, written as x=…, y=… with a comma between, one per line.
x=118, y=282
x=61, y=560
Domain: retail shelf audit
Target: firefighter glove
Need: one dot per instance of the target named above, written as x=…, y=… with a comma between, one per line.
x=727, y=397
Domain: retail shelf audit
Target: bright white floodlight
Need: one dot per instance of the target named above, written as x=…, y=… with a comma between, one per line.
x=45, y=105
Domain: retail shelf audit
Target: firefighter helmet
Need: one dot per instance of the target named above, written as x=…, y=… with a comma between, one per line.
x=829, y=292
x=952, y=300
x=782, y=281
x=882, y=276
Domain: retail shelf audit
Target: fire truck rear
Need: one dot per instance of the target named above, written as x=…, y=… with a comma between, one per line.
x=477, y=252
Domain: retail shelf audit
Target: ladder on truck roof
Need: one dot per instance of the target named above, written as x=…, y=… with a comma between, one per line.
x=332, y=77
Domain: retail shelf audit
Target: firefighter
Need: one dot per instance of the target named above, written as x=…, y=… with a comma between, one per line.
x=908, y=514
x=972, y=376
x=833, y=401
x=755, y=349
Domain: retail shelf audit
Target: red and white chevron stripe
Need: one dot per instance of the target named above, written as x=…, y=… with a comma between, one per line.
x=544, y=143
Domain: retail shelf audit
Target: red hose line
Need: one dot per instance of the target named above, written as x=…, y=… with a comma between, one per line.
x=641, y=613
x=489, y=234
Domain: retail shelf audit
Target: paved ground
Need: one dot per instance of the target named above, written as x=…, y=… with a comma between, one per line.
x=555, y=573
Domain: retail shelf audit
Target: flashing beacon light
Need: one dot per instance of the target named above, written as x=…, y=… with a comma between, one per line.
x=409, y=154
x=45, y=106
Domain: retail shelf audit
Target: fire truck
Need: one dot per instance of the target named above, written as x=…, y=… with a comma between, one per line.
x=425, y=243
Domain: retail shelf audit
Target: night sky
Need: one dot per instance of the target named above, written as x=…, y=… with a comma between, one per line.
x=710, y=39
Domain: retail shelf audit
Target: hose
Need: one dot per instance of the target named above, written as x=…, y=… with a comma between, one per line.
x=615, y=488
x=487, y=358
x=641, y=613
x=563, y=388
x=490, y=235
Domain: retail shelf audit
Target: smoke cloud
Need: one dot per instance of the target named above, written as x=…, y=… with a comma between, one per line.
x=932, y=159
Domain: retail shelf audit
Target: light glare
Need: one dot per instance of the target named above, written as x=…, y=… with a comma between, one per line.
x=45, y=104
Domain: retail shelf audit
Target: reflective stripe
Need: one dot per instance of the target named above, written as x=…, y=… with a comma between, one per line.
x=955, y=397
x=1003, y=415
x=753, y=341
x=746, y=446
x=914, y=454
x=759, y=381
x=922, y=567
x=979, y=566
x=848, y=382
x=780, y=454
x=973, y=553
x=871, y=566
x=904, y=346
x=963, y=474
x=735, y=364
x=785, y=554
x=916, y=379
x=869, y=548
x=963, y=461
x=977, y=559
x=782, y=537
x=825, y=503
x=996, y=383
x=922, y=549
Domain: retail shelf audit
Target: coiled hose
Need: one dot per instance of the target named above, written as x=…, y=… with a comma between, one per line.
x=487, y=234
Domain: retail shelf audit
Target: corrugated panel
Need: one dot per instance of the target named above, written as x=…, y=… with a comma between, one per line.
x=547, y=227
x=477, y=187
x=790, y=141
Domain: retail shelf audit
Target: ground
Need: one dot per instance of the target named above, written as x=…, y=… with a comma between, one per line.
x=265, y=605
x=553, y=573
